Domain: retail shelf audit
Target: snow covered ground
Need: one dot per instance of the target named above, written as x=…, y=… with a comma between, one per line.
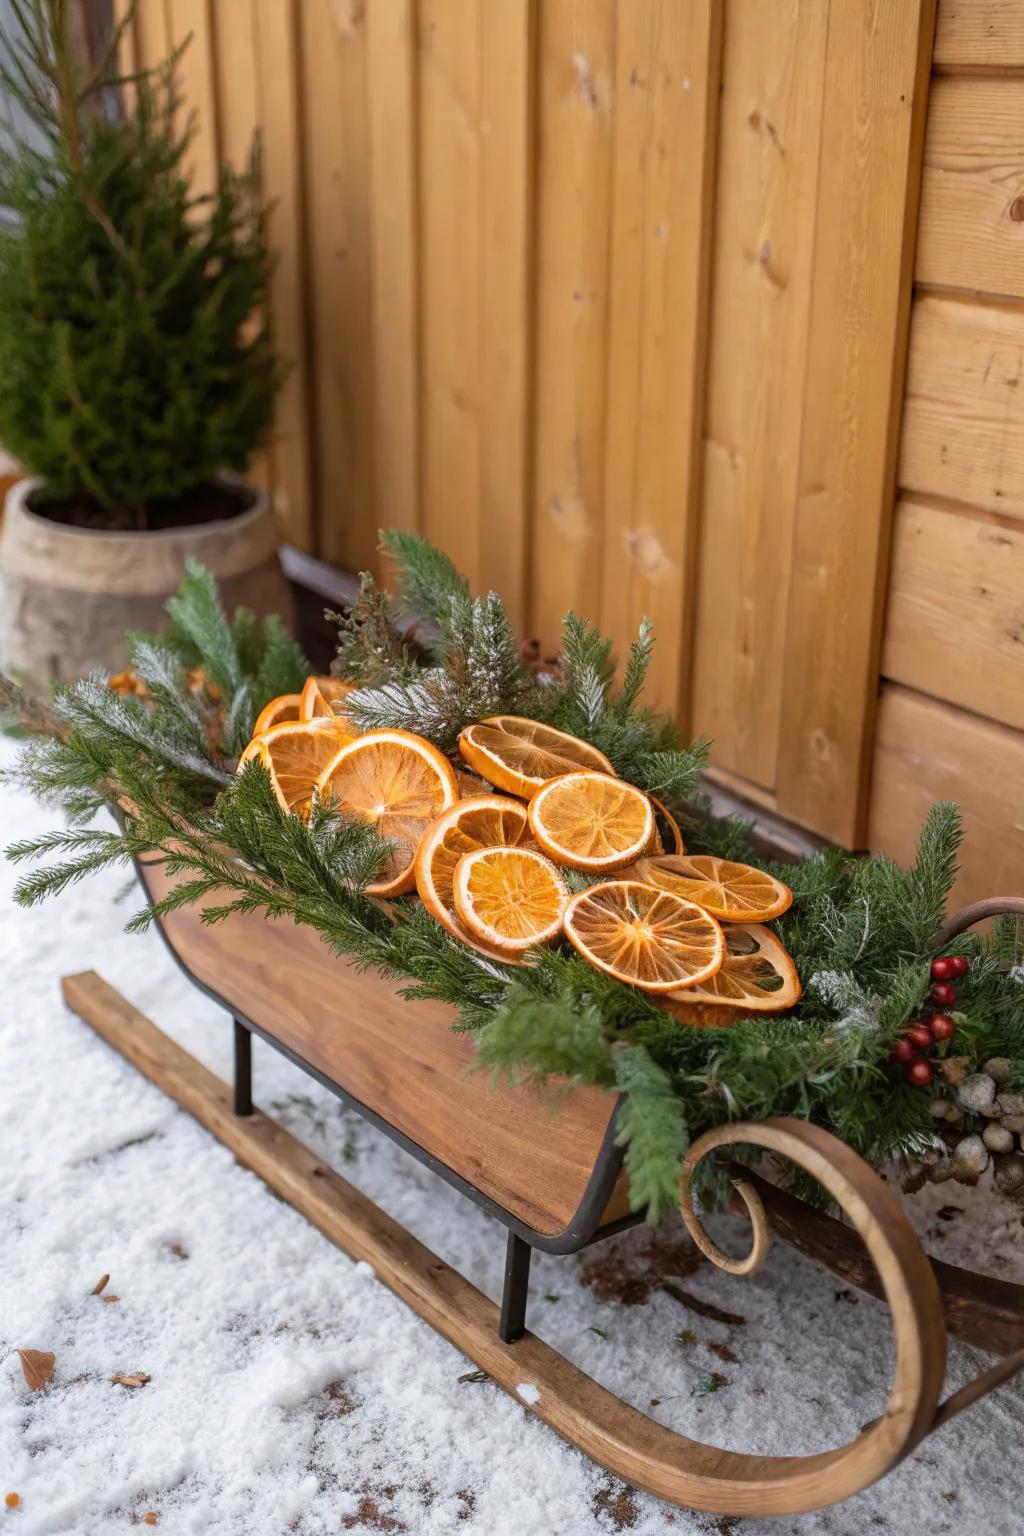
x=289, y=1392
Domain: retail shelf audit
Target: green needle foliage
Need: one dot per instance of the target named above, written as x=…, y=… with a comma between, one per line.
x=131, y=369
x=860, y=930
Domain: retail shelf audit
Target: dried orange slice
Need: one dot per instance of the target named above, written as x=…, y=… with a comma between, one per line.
x=757, y=976
x=127, y=684
x=471, y=784
x=198, y=681
x=284, y=707
x=296, y=753
x=667, y=827
x=648, y=938
x=519, y=755
x=484, y=821
x=591, y=821
x=318, y=696
x=510, y=898
x=400, y=783
x=734, y=893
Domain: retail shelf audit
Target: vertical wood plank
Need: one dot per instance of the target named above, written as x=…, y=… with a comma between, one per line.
x=152, y=27
x=448, y=171
x=391, y=90
x=576, y=53
x=667, y=76
x=129, y=55
x=769, y=141
x=335, y=150
x=235, y=48
x=877, y=66
x=504, y=298
x=197, y=75
x=282, y=176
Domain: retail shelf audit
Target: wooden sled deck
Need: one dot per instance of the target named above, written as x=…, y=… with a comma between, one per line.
x=625, y=1441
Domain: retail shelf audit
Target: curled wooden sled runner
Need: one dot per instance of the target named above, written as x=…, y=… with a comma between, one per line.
x=556, y=1183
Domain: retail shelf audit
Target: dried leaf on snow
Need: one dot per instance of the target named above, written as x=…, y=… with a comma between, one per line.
x=37, y=1367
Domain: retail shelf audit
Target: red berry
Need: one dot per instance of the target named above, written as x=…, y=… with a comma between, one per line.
x=943, y=993
x=902, y=1051
x=941, y=1026
x=919, y=1073
x=920, y=1036
x=944, y=968
x=960, y=963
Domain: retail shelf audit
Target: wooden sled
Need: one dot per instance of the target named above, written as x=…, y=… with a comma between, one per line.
x=555, y=1182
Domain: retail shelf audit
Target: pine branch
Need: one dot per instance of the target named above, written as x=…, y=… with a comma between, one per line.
x=652, y=1129
x=199, y=617
x=532, y=1039
x=428, y=582
x=370, y=649
x=637, y=665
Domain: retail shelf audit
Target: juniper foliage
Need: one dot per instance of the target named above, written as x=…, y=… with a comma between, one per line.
x=131, y=370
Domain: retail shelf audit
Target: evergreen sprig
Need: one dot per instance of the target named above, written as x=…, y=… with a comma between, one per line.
x=479, y=674
x=132, y=370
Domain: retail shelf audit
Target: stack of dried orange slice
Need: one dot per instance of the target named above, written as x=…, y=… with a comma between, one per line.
x=485, y=846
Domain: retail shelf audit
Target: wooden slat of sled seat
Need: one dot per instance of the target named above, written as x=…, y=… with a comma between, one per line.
x=402, y=1061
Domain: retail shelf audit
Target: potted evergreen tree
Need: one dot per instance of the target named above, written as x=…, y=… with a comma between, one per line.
x=137, y=374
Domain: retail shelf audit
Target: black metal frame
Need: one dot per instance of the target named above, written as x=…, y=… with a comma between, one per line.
x=584, y=1228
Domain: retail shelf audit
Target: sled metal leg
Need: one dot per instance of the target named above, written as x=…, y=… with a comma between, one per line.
x=517, y=1285
x=243, y=1069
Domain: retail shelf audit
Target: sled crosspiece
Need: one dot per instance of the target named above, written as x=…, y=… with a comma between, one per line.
x=555, y=1181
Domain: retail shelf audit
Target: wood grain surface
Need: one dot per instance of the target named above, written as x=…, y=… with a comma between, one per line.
x=971, y=231
x=402, y=1061
x=955, y=622
x=927, y=751
x=877, y=70
x=963, y=416
x=984, y=36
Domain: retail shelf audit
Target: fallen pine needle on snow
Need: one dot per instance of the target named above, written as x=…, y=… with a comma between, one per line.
x=100, y=1285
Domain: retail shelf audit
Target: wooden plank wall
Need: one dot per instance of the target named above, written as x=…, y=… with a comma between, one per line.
x=609, y=298
x=951, y=720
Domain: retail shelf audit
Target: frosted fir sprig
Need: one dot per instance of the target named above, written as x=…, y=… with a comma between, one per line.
x=855, y=1008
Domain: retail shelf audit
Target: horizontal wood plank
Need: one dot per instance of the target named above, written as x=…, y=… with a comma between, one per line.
x=955, y=624
x=971, y=230
x=927, y=751
x=980, y=35
x=963, y=415
x=401, y=1060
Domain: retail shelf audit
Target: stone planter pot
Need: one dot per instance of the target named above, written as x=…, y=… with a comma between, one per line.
x=68, y=595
